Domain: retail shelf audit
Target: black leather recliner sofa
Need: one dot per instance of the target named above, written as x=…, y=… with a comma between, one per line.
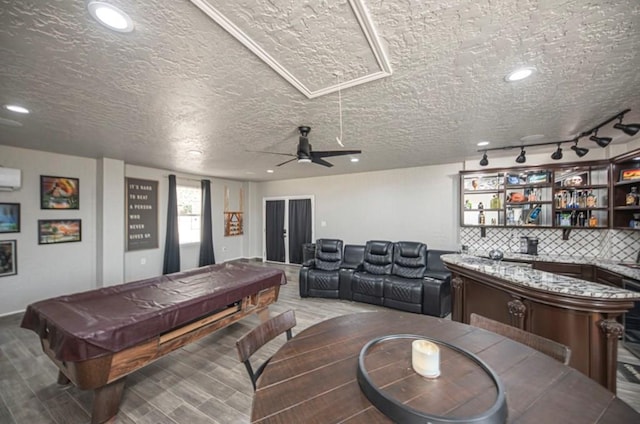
x=320, y=277
x=403, y=275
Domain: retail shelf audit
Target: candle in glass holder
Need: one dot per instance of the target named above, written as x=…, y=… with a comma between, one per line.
x=425, y=358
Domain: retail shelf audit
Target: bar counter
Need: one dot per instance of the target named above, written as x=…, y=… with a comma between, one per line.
x=579, y=314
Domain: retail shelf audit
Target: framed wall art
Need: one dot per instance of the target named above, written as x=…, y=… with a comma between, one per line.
x=59, y=192
x=8, y=258
x=9, y=217
x=52, y=231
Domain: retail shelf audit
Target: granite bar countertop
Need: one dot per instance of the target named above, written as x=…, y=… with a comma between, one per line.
x=540, y=280
x=627, y=270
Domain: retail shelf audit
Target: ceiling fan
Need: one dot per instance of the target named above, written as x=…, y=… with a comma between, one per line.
x=305, y=154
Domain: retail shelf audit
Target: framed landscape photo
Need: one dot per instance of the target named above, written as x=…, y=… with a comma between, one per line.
x=8, y=258
x=9, y=218
x=59, y=192
x=52, y=231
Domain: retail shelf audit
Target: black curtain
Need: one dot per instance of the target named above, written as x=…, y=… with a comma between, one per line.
x=172, y=241
x=275, y=230
x=299, y=228
x=206, y=229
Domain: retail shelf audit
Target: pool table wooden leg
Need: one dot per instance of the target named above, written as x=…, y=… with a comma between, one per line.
x=106, y=401
x=263, y=315
x=63, y=379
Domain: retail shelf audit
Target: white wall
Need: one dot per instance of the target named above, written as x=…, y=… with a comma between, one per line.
x=417, y=204
x=50, y=269
x=141, y=264
x=98, y=260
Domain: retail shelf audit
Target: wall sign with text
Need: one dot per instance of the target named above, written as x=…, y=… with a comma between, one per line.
x=142, y=214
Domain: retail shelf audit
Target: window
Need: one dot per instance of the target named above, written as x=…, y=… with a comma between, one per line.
x=189, y=201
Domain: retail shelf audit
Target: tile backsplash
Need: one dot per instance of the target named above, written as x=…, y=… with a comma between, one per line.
x=617, y=245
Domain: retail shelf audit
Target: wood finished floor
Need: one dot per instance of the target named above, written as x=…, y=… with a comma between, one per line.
x=202, y=383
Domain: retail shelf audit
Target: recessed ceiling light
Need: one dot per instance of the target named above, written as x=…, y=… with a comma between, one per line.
x=355, y=160
x=483, y=143
x=16, y=108
x=110, y=16
x=269, y=171
x=519, y=74
x=195, y=152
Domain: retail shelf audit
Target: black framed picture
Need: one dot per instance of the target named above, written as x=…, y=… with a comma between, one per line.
x=9, y=217
x=59, y=192
x=52, y=231
x=8, y=258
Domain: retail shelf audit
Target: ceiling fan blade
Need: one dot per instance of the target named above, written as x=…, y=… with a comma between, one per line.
x=286, y=162
x=319, y=161
x=329, y=153
x=271, y=153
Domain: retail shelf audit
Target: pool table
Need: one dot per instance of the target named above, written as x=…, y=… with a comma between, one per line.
x=96, y=338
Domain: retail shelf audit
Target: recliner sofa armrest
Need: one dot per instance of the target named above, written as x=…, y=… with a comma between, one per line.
x=310, y=263
x=438, y=275
x=303, y=281
x=436, y=297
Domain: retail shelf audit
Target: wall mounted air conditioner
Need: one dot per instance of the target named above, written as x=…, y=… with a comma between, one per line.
x=10, y=179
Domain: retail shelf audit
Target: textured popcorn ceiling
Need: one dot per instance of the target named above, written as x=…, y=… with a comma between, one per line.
x=181, y=82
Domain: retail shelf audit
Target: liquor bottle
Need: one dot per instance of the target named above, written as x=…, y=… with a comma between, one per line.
x=481, y=218
x=591, y=200
x=581, y=219
x=632, y=197
x=593, y=221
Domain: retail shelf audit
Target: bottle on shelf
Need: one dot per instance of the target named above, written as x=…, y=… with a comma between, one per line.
x=593, y=221
x=480, y=205
x=632, y=197
x=510, y=216
x=592, y=200
x=495, y=202
x=581, y=219
x=481, y=217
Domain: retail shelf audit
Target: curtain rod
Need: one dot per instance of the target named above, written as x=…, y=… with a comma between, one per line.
x=187, y=178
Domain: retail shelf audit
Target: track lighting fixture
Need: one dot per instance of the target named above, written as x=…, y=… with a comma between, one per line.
x=557, y=155
x=630, y=129
x=484, y=161
x=600, y=141
x=580, y=151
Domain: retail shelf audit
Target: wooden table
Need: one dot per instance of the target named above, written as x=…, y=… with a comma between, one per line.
x=312, y=378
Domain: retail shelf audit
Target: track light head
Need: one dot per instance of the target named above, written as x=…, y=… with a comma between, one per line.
x=521, y=157
x=580, y=151
x=484, y=161
x=629, y=129
x=557, y=155
x=601, y=141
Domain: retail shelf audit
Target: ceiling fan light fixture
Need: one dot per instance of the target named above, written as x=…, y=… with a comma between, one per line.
x=110, y=16
x=304, y=160
x=521, y=157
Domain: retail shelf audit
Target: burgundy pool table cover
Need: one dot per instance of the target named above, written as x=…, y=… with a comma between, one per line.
x=99, y=322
